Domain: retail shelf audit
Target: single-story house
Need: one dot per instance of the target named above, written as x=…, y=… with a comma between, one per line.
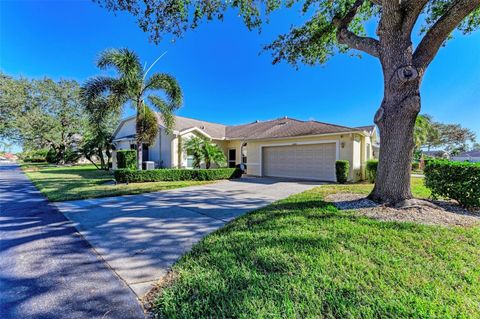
x=283, y=147
x=470, y=156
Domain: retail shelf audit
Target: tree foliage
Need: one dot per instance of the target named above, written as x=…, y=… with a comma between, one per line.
x=205, y=151
x=452, y=138
x=324, y=31
x=147, y=125
x=42, y=114
x=98, y=140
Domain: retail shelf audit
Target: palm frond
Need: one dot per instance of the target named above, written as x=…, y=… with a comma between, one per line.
x=166, y=112
x=96, y=87
x=124, y=61
x=168, y=84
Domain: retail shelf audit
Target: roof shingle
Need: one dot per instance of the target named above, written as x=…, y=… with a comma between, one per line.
x=281, y=127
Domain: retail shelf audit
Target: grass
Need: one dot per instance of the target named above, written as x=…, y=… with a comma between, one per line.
x=303, y=258
x=85, y=181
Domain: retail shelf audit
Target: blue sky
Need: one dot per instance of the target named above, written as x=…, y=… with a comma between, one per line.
x=223, y=77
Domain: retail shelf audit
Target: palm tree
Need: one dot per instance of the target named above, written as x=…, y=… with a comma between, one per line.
x=132, y=85
x=204, y=150
x=212, y=153
x=194, y=146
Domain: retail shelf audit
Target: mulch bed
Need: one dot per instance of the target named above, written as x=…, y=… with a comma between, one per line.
x=444, y=213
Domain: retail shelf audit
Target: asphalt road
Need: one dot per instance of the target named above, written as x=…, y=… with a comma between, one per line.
x=47, y=269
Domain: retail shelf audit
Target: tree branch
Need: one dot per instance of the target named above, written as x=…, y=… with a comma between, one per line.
x=350, y=39
x=412, y=10
x=439, y=32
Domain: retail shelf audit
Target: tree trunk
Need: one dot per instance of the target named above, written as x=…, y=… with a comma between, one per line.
x=139, y=155
x=396, y=122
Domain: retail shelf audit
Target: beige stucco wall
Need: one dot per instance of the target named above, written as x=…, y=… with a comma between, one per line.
x=344, y=148
x=159, y=151
x=356, y=164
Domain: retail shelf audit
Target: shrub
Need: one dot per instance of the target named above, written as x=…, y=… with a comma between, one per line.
x=127, y=159
x=52, y=156
x=415, y=166
x=37, y=156
x=72, y=156
x=455, y=180
x=372, y=170
x=341, y=170
x=169, y=174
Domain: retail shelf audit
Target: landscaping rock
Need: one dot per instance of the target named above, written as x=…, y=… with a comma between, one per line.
x=435, y=213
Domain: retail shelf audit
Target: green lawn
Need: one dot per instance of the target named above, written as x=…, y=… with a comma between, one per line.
x=85, y=181
x=303, y=258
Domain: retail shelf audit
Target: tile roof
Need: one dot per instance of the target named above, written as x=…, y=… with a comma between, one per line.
x=277, y=128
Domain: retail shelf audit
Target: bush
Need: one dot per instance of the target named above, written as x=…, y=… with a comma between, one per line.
x=127, y=159
x=455, y=180
x=341, y=170
x=72, y=156
x=169, y=174
x=372, y=170
x=52, y=156
x=415, y=166
x=37, y=156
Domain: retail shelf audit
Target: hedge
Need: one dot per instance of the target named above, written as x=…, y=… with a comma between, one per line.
x=372, y=170
x=454, y=180
x=341, y=171
x=127, y=159
x=167, y=174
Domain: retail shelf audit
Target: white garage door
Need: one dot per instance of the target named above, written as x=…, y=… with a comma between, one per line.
x=310, y=161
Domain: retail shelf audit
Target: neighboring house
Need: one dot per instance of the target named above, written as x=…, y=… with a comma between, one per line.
x=436, y=154
x=471, y=156
x=10, y=157
x=282, y=147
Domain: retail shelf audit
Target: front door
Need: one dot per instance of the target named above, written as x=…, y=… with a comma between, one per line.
x=144, y=152
x=232, y=155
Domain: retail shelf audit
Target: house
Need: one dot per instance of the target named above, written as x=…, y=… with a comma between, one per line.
x=436, y=154
x=471, y=156
x=283, y=147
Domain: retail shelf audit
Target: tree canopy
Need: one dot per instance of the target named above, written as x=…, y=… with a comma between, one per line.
x=42, y=114
x=329, y=26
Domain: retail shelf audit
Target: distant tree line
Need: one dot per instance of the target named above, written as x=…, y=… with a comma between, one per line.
x=451, y=138
x=48, y=119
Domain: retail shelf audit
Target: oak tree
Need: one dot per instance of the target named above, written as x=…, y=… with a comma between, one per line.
x=334, y=26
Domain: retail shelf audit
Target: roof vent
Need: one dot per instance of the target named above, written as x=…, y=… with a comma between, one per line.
x=257, y=121
x=202, y=127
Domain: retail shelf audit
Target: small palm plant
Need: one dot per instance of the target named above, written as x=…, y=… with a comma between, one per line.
x=194, y=146
x=132, y=85
x=212, y=153
x=204, y=150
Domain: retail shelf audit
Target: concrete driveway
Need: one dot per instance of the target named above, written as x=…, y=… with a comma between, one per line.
x=141, y=236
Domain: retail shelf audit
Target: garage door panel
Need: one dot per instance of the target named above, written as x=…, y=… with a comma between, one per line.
x=312, y=161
